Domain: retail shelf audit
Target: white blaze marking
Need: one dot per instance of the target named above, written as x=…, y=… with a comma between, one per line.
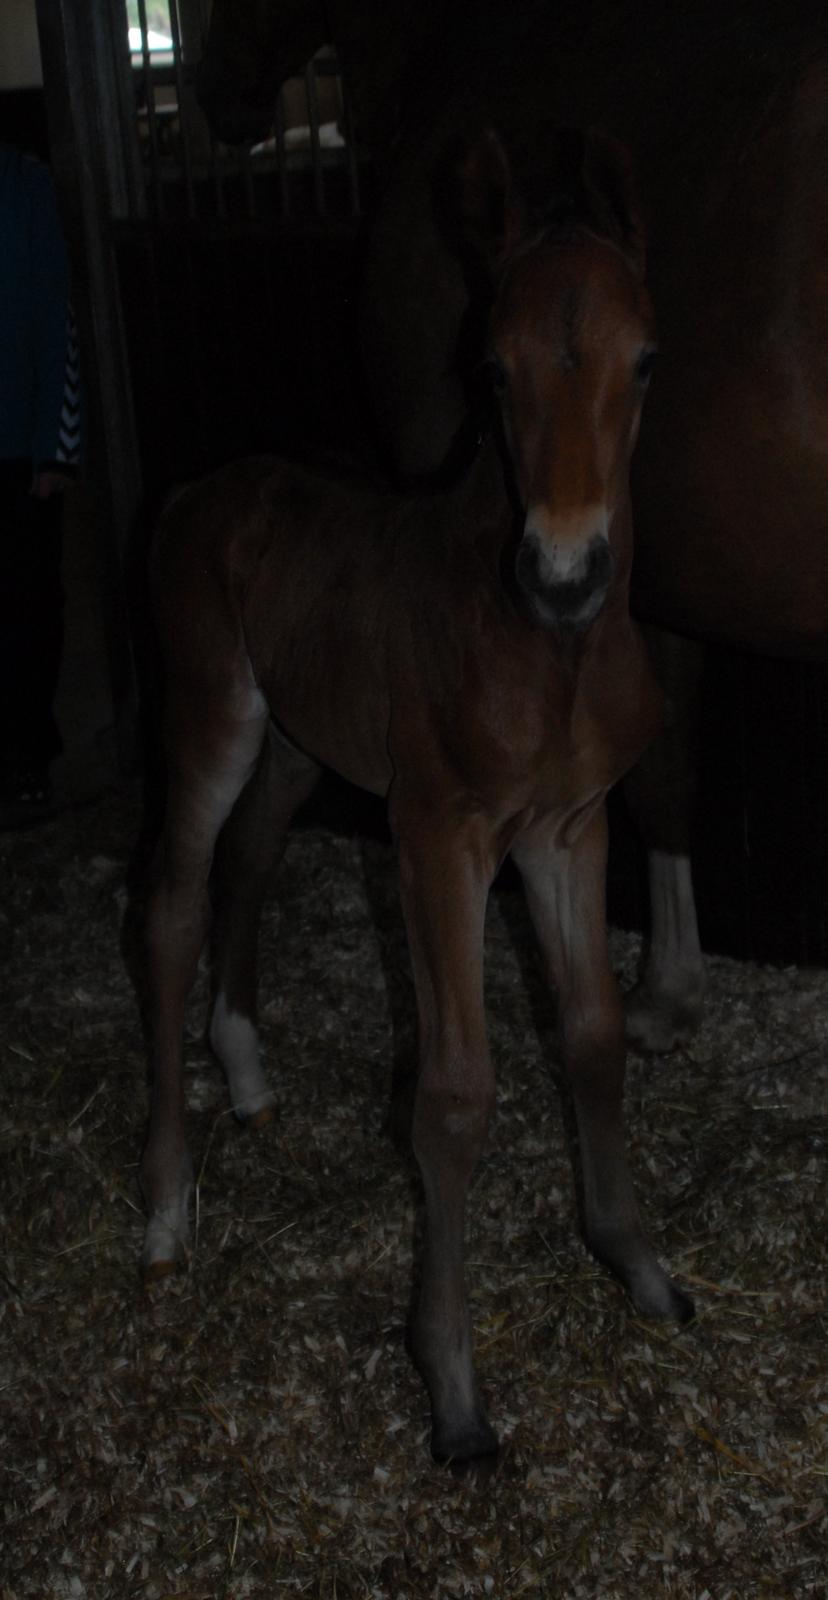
x=564, y=543
x=167, y=1231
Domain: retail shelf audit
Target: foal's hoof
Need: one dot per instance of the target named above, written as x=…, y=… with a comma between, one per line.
x=256, y=1108
x=658, y=1023
x=165, y=1243
x=259, y=1119
x=650, y=1288
x=154, y=1271
x=468, y=1452
x=668, y=1303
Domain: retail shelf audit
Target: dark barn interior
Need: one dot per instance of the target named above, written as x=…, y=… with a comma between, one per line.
x=232, y=281
x=217, y=294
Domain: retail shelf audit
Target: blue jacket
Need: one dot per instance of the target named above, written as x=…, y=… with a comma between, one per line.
x=39, y=375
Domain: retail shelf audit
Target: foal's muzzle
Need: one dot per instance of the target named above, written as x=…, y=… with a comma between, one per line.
x=564, y=589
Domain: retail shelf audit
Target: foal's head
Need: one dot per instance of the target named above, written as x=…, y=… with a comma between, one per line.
x=570, y=348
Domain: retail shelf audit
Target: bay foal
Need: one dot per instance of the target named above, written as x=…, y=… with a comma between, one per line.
x=471, y=657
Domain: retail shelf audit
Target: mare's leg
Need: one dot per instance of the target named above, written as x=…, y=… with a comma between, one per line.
x=249, y=850
x=665, y=1007
x=212, y=748
x=445, y=878
x=565, y=890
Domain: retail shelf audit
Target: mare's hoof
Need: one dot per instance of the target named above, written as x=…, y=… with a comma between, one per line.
x=469, y=1452
x=659, y=1023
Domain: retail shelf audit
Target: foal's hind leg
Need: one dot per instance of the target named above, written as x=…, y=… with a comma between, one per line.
x=445, y=879
x=565, y=890
x=664, y=1009
x=212, y=753
x=248, y=853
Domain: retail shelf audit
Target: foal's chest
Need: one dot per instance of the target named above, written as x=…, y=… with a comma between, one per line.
x=532, y=724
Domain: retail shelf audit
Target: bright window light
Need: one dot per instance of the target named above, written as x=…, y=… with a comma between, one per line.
x=159, y=31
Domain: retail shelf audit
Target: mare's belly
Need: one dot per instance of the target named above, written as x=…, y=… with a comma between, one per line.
x=730, y=505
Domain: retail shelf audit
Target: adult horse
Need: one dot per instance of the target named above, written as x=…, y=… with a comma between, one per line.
x=468, y=655
x=726, y=112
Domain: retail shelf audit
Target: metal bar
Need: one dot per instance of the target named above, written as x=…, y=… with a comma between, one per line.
x=281, y=157
x=152, y=126
x=316, y=151
x=351, y=158
x=202, y=397
x=215, y=160
x=126, y=175
x=246, y=166
x=186, y=152
x=218, y=179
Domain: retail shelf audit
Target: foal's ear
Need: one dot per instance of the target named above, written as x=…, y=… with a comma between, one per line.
x=609, y=179
x=478, y=204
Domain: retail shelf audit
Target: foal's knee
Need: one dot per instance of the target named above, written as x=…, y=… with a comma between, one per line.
x=594, y=1045
x=452, y=1121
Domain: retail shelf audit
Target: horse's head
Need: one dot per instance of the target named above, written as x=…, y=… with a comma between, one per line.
x=252, y=47
x=570, y=348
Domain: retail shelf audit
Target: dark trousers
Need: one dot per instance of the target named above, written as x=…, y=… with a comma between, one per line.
x=31, y=621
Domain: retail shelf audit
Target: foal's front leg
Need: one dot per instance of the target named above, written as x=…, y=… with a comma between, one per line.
x=565, y=890
x=445, y=878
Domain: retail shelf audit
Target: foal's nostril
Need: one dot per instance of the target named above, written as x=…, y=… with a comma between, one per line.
x=600, y=563
x=565, y=592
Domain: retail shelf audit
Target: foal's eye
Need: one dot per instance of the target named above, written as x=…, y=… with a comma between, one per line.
x=644, y=366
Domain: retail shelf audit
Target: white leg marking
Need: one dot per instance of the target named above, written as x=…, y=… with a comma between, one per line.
x=665, y=1007
x=236, y=1043
x=676, y=958
x=167, y=1236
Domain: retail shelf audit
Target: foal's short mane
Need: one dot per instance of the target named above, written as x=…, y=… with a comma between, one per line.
x=560, y=223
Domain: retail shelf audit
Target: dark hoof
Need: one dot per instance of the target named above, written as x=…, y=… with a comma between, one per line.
x=477, y=1471
x=652, y=1291
x=657, y=1024
x=664, y=1303
x=472, y=1452
x=156, y=1271
x=261, y=1119
x=165, y=1241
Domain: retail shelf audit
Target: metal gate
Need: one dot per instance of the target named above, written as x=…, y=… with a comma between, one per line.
x=306, y=167
x=213, y=284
